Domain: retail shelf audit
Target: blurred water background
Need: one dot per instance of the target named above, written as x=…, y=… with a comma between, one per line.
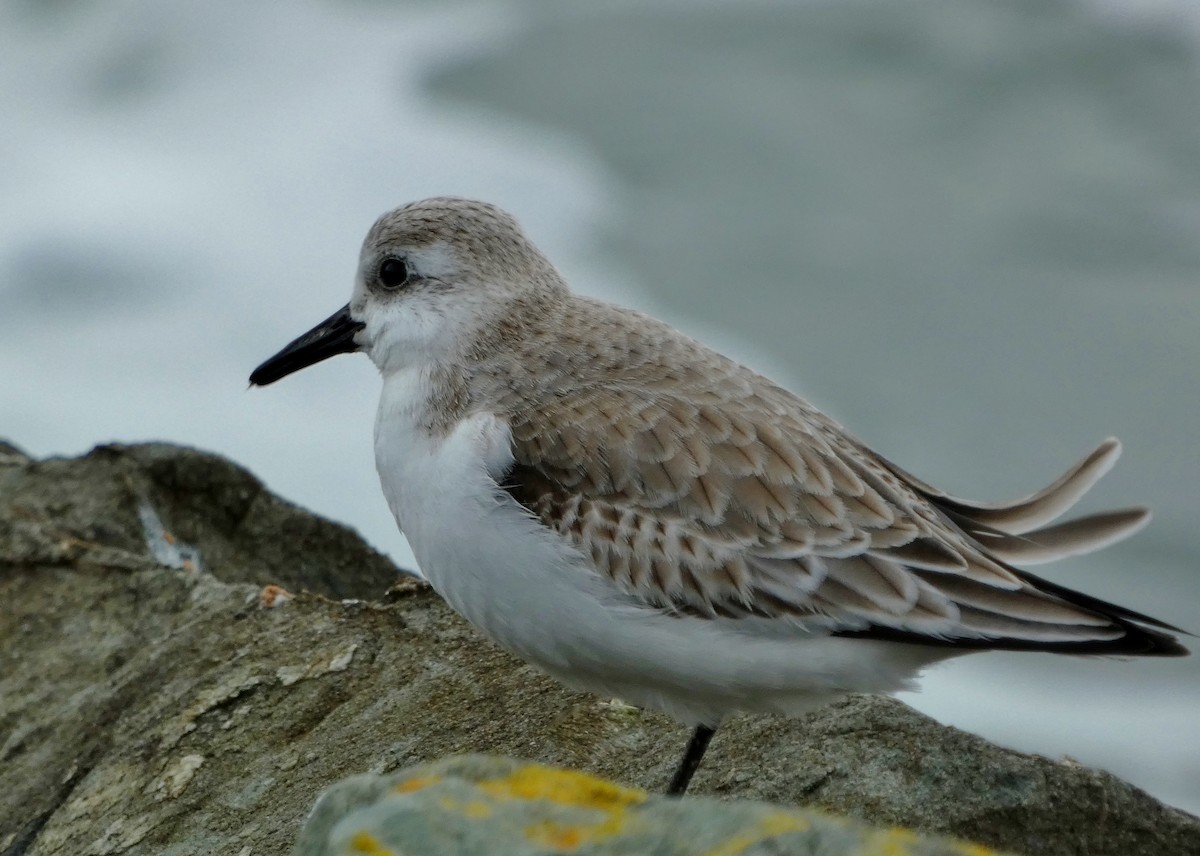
x=970, y=229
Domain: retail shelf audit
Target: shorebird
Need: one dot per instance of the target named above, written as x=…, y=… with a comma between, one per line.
x=644, y=518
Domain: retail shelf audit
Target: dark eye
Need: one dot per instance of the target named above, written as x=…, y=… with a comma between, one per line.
x=393, y=273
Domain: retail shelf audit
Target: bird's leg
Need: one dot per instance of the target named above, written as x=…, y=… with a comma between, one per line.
x=691, y=760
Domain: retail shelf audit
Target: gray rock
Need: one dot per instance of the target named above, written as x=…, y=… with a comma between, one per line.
x=11, y=455
x=69, y=509
x=171, y=710
x=479, y=804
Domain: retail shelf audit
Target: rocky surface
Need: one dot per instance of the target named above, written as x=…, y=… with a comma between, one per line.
x=59, y=511
x=158, y=695
x=477, y=804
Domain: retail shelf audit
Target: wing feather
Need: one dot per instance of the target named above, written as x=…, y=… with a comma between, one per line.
x=1072, y=538
x=1035, y=510
x=726, y=497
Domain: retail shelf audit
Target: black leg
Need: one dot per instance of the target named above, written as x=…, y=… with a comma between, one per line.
x=691, y=760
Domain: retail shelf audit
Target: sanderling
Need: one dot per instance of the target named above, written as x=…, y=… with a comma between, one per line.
x=646, y=519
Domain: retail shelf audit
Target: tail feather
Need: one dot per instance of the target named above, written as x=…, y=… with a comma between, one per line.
x=1051, y=543
x=1010, y=608
x=1033, y=511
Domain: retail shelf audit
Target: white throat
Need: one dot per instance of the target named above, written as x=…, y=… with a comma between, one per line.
x=414, y=460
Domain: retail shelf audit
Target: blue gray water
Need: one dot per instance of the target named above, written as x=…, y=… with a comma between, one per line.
x=967, y=228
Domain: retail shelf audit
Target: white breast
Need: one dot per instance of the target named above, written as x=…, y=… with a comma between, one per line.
x=533, y=593
x=493, y=563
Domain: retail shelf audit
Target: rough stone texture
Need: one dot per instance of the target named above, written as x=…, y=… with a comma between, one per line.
x=148, y=709
x=64, y=510
x=481, y=804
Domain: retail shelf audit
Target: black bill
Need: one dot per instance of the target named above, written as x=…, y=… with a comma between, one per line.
x=333, y=336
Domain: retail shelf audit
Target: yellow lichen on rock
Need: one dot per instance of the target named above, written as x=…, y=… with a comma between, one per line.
x=417, y=783
x=899, y=841
x=368, y=844
x=566, y=787
x=568, y=836
x=896, y=841
x=769, y=827
x=481, y=805
x=477, y=809
x=473, y=809
x=560, y=836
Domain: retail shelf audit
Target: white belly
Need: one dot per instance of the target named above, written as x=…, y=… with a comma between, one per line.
x=533, y=593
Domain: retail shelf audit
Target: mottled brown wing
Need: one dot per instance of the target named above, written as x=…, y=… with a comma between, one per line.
x=702, y=488
x=739, y=501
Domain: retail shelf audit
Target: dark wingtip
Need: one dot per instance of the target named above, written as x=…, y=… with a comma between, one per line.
x=1156, y=644
x=1143, y=635
x=1137, y=642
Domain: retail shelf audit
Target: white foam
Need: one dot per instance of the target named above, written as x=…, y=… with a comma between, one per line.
x=230, y=158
